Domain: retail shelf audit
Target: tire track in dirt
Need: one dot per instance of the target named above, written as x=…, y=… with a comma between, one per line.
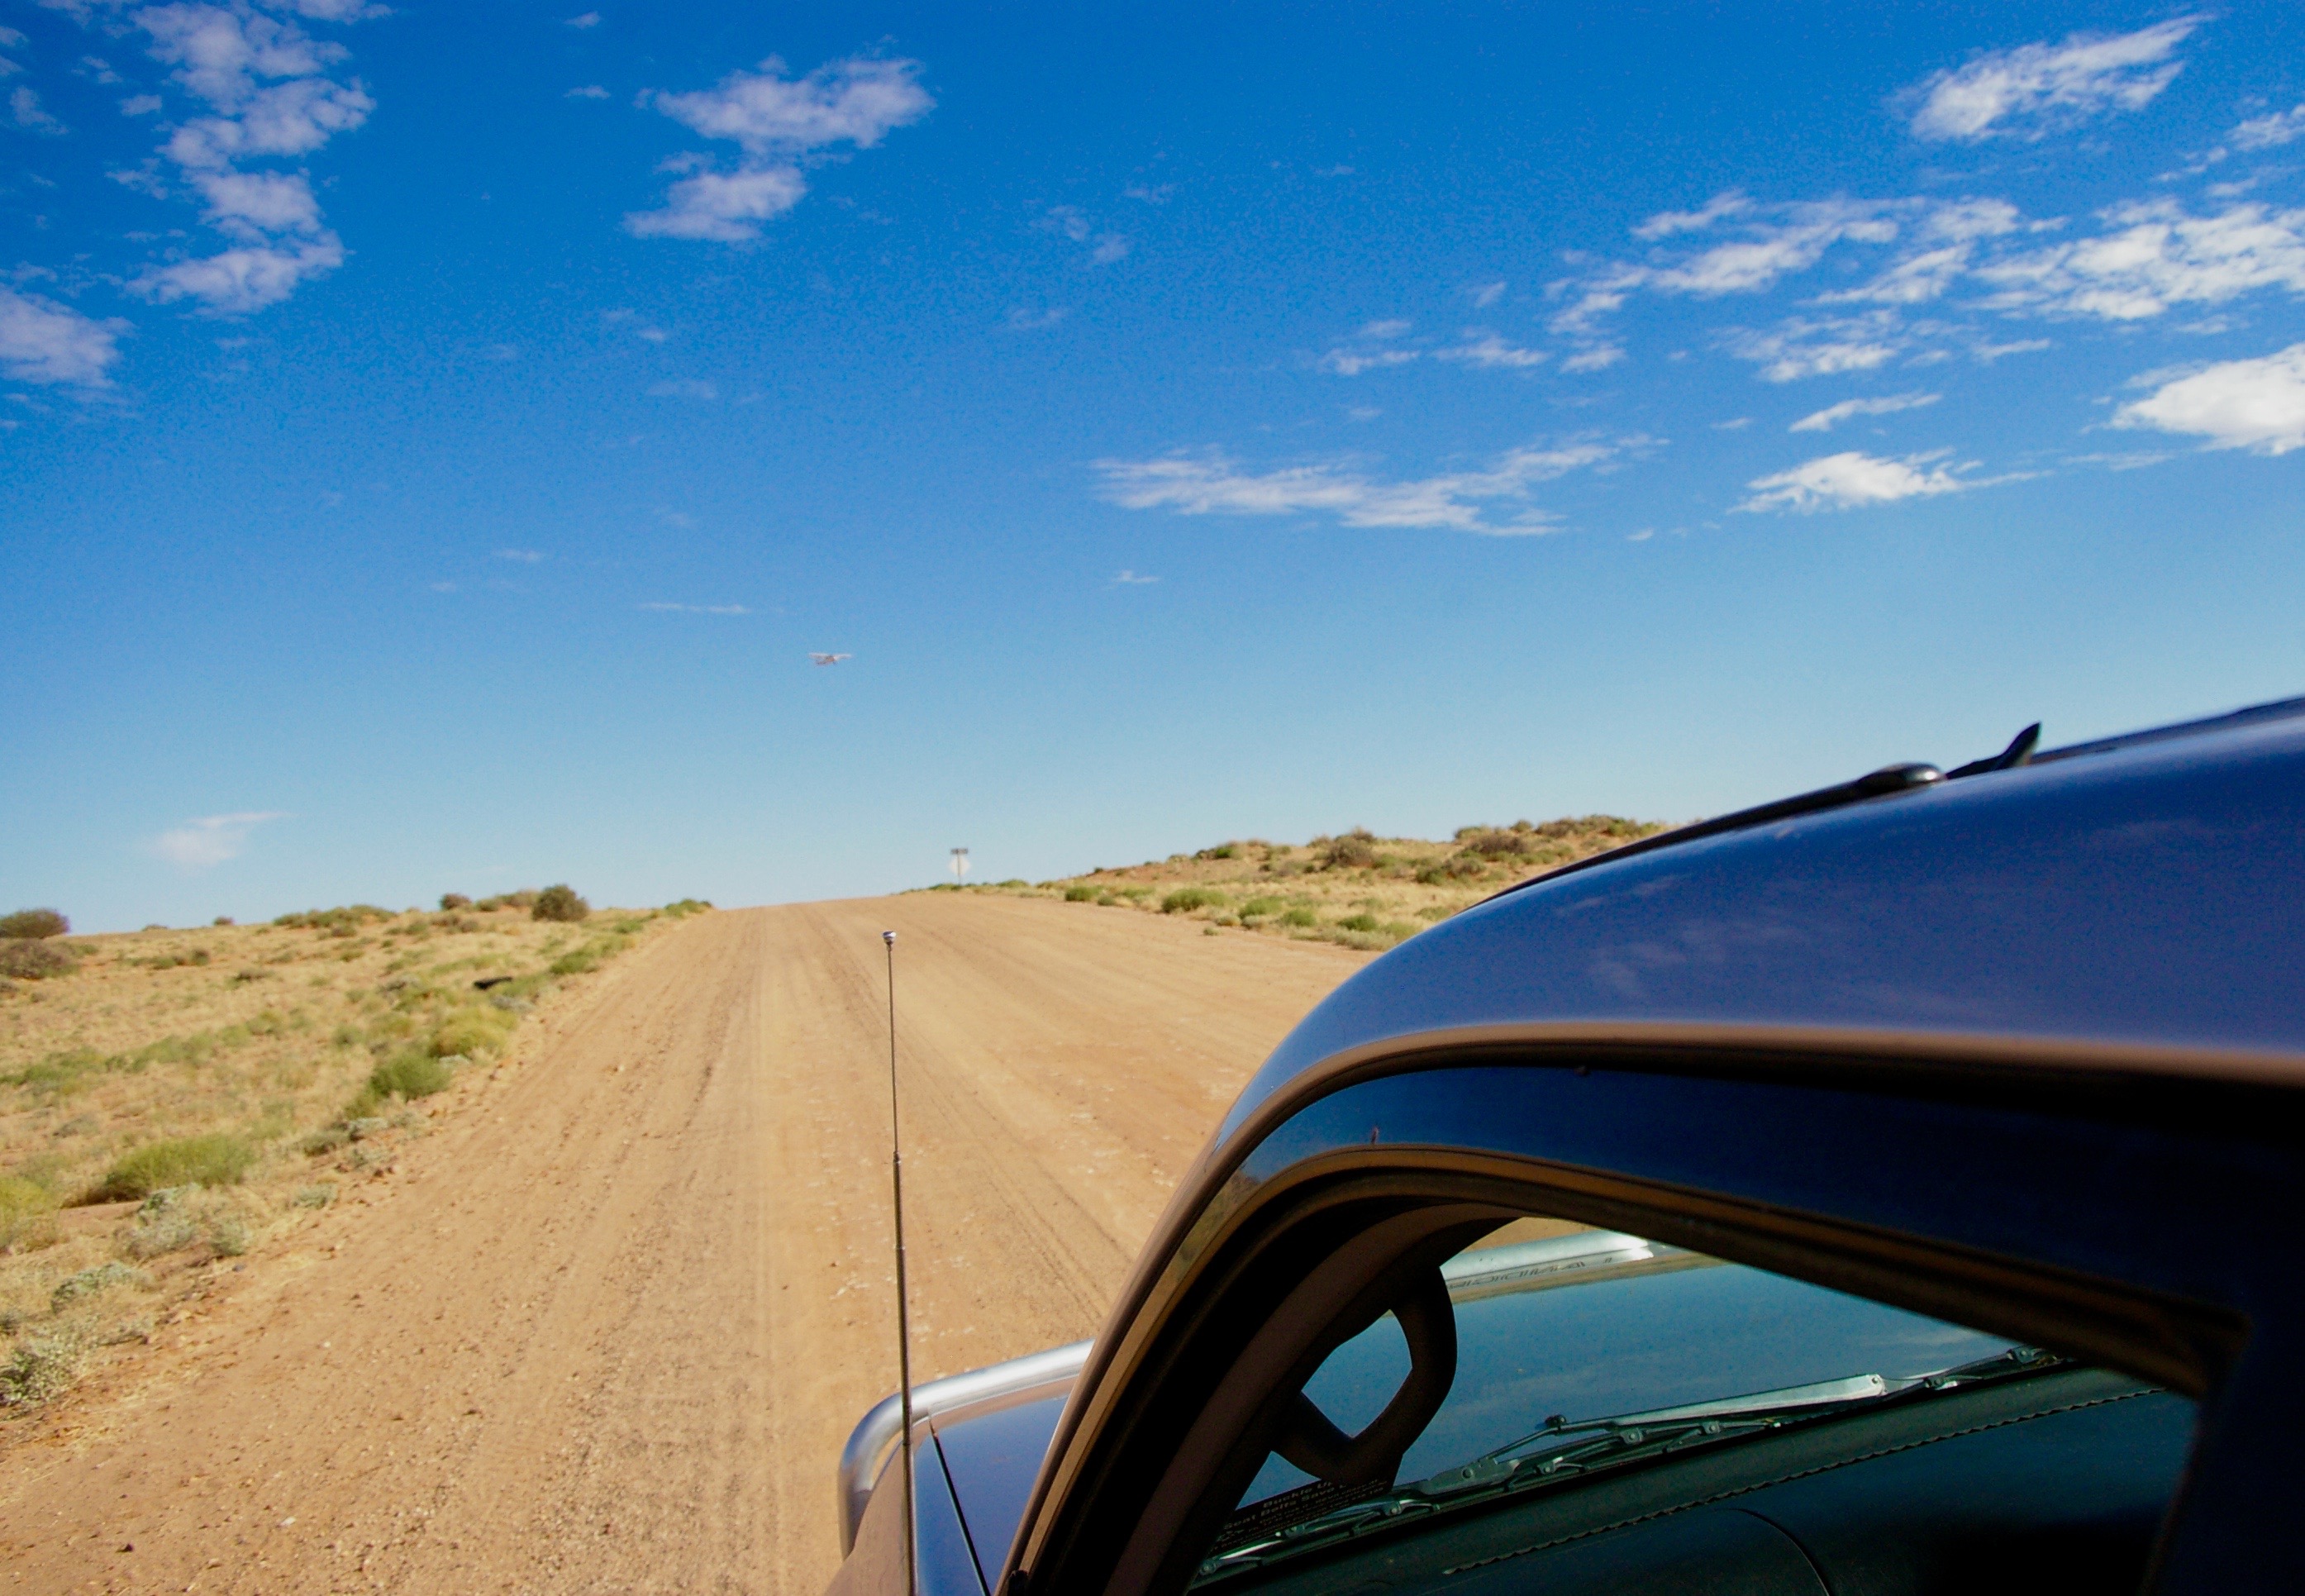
x=607, y=1327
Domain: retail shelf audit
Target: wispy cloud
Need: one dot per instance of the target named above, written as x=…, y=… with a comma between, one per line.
x=1824, y=420
x=1666, y=223
x=683, y=387
x=1802, y=347
x=1373, y=348
x=1130, y=579
x=1024, y=318
x=2257, y=404
x=2153, y=257
x=1066, y=221
x=1848, y=480
x=525, y=556
x=592, y=91
x=25, y=110
x=1211, y=484
x=44, y=342
x=1486, y=295
x=2269, y=132
x=662, y=607
x=1489, y=351
x=591, y=19
x=205, y=843
x=2037, y=88
x=776, y=121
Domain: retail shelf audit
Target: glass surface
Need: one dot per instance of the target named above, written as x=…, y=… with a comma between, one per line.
x=1561, y=1337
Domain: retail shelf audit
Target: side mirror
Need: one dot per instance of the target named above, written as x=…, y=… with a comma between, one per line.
x=1309, y=1440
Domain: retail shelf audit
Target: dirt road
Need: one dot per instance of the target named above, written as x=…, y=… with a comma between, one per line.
x=608, y=1327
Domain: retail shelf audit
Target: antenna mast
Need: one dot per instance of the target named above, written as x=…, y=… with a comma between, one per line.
x=903, y=1311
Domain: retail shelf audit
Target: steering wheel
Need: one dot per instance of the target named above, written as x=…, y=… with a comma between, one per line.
x=1310, y=1441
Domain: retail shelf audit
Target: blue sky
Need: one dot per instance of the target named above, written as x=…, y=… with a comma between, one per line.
x=433, y=439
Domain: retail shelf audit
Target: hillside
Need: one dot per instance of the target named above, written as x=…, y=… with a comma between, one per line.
x=1356, y=890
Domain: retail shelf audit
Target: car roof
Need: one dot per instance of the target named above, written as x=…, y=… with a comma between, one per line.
x=2139, y=901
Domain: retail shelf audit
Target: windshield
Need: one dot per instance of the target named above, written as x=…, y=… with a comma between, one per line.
x=1579, y=1350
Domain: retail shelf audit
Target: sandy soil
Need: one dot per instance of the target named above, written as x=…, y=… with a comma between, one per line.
x=608, y=1327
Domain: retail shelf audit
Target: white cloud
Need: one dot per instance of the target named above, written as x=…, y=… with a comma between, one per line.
x=683, y=387
x=1129, y=579
x=259, y=202
x=2034, y=89
x=1851, y=480
x=775, y=121
x=266, y=86
x=1352, y=362
x=1210, y=484
x=2153, y=257
x=1024, y=319
x=1773, y=249
x=856, y=101
x=592, y=91
x=242, y=280
x=1486, y=295
x=24, y=108
x=1822, y=421
x=591, y=19
x=727, y=207
x=526, y=556
x=662, y=607
x=1667, y=223
x=2258, y=405
x=2268, y=132
x=1800, y=347
x=12, y=39
x=1489, y=351
x=44, y=342
x=212, y=839
x=1597, y=359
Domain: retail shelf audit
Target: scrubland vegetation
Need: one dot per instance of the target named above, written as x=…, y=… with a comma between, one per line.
x=171, y=1099
x=1356, y=888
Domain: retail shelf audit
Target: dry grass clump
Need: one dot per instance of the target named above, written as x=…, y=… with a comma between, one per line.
x=23, y=959
x=1355, y=887
x=219, y=1083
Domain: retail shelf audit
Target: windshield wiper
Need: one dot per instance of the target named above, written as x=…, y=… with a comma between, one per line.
x=1562, y=1450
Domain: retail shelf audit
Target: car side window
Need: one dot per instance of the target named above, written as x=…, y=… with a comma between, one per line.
x=1610, y=1398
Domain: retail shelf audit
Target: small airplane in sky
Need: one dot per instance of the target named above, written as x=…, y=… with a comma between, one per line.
x=816, y=659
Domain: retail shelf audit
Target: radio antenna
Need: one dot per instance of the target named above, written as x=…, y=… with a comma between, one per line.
x=903, y=1312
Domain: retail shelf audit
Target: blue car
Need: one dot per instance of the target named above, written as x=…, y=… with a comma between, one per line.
x=1893, y=1189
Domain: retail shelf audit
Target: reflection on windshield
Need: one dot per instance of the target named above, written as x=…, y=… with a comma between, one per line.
x=1585, y=1350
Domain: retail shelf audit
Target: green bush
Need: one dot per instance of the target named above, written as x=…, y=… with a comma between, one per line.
x=41, y=1367
x=1222, y=850
x=1261, y=906
x=453, y=900
x=410, y=1076
x=34, y=923
x=1363, y=921
x=1300, y=917
x=26, y=1212
x=1185, y=899
x=1080, y=895
x=559, y=903
x=216, y=1160
x=481, y=1028
x=687, y=906
x=24, y=959
x=1356, y=850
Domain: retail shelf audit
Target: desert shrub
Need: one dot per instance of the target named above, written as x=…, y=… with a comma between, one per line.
x=41, y=1367
x=625, y=927
x=1185, y=899
x=479, y=1028
x=686, y=906
x=1435, y=912
x=1494, y=843
x=1222, y=851
x=216, y=1160
x=88, y=1282
x=453, y=900
x=410, y=1076
x=1363, y=921
x=1261, y=906
x=27, y=1213
x=526, y=898
x=1300, y=917
x=1080, y=895
x=559, y=903
x=318, y=1196
x=25, y=959
x=1355, y=850
x=222, y=919
x=34, y=924
x=339, y=922
x=324, y=1140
